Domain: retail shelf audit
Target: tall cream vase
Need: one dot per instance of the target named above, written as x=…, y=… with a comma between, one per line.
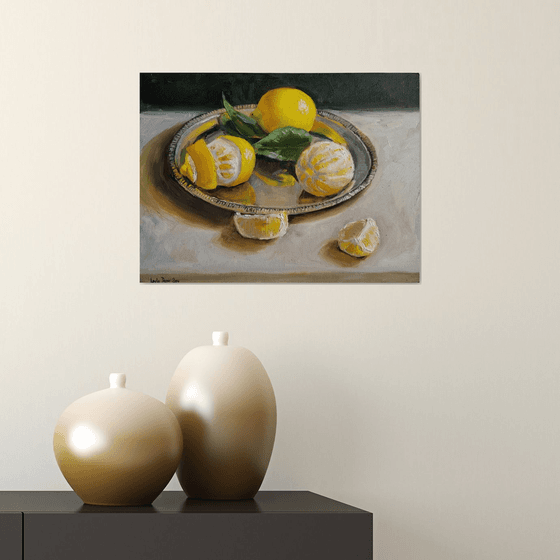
x=117, y=447
x=225, y=404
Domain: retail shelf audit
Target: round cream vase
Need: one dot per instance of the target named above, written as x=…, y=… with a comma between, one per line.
x=225, y=405
x=117, y=447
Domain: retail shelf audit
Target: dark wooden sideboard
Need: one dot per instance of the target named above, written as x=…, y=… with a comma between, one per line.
x=273, y=526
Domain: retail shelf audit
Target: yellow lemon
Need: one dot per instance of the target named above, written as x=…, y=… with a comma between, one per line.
x=285, y=106
x=226, y=161
x=360, y=238
x=199, y=166
x=261, y=226
x=325, y=168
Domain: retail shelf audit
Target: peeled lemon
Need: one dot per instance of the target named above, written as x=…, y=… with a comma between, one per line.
x=360, y=238
x=325, y=168
x=234, y=158
x=261, y=226
x=227, y=161
x=285, y=106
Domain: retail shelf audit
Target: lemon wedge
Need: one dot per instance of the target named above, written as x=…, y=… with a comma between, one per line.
x=261, y=226
x=325, y=168
x=359, y=239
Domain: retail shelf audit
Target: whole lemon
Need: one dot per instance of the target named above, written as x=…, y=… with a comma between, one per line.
x=285, y=106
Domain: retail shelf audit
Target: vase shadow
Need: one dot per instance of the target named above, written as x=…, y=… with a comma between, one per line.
x=88, y=508
x=221, y=506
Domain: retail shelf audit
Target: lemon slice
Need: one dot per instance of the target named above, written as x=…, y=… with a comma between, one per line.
x=201, y=165
x=325, y=168
x=360, y=238
x=261, y=226
x=234, y=159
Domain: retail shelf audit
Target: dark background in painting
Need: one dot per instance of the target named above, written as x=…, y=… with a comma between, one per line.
x=329, y=91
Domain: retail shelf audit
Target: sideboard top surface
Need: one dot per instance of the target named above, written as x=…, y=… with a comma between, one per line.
x=176, y=502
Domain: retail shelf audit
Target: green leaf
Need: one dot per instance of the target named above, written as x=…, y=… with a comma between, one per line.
x=247, y=126
x=226, y=123
x=284, y=144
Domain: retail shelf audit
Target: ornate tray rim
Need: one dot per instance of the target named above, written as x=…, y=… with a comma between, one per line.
x=292, y=211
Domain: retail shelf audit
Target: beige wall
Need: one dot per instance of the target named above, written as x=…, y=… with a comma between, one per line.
x=435, y=406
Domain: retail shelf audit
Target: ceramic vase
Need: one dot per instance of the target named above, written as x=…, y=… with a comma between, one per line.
x=225, y=404
x=117, y=447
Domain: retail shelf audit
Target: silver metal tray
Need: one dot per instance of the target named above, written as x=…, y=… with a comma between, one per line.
x=259, y=195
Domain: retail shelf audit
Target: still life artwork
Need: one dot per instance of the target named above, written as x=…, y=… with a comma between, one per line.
x=279, y=178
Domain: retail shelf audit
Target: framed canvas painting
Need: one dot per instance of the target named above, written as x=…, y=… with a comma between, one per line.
x=279, y=178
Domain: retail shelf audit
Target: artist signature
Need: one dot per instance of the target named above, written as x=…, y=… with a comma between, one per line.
x=163, y=280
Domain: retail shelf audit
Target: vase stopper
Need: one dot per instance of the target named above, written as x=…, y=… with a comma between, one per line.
x=220, y=338
x=117, y=381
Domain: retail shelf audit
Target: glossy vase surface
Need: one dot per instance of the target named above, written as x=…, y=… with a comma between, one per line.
x=225, y=404
x=117, y=447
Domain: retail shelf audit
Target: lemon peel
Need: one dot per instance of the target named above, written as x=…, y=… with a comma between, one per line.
x=204, y=166
x=188, y=169
x=261, y=226
x=324, y=129
x=360, y=238
x=325, y=168
x=285, y=106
